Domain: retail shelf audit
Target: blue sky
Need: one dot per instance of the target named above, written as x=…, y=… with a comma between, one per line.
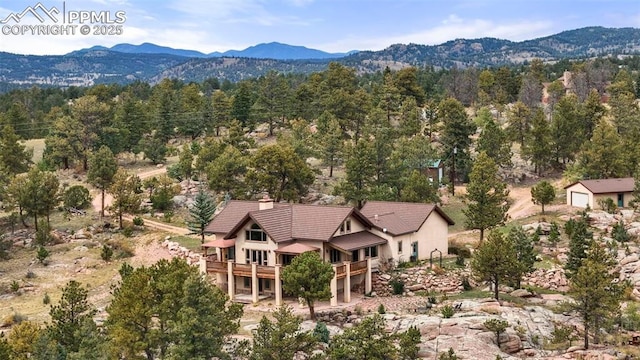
x=329, y=25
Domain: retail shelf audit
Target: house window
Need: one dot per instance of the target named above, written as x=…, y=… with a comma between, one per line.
x=231, y=253
x=355, y=255
x=371, y=252
x=399, y=247
x=256, y=257
x=345, y=227
x=334, y=255
x=287, y=259
x=256, y=233
x=247, y=282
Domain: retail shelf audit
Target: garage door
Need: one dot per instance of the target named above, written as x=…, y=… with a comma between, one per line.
x=579, y=199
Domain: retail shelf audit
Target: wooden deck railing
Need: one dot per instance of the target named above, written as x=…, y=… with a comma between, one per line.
x=268, y=272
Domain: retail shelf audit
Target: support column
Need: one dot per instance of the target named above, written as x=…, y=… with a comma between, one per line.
x=202, y=265
x=231, y=286
x=347, y=283
x=367, y=278
x=278, y=285
x=334, y=287
x=254, y=283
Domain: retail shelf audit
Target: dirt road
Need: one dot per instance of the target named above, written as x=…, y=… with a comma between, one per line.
x=108, y=200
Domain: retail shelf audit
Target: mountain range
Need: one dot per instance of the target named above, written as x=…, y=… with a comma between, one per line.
x=125, y=63
x=272, y=50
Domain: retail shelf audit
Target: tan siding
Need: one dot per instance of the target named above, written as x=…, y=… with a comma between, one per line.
x=614, y=196
x=581, y=189
x=242, y=245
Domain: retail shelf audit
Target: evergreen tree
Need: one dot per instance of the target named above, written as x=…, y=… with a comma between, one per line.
x=68, y=317
x=554, y=235
x=518, y=120
x=221, y=113
x=226, y=173
x=282, y=339
x=567, y=130
x=543, y=194
x=525, y=253
x=418, y=188
x=619, y=233
x=580, y=239
x=330, y=140
x=273, y=94
x=486, y=197
x=603, y=156
x=493, y=140
x=241, y=104
x=201, y=213
x=126, y=192
x=102, y=168
x=277, y=170
x=537, y=146
x=14, y=157
x=597, y=297
x=495, y=260
x=360, y=176
x=456, y=134
x=308, y=277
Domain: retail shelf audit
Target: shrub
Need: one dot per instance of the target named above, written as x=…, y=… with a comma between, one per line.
x=447, y=311
x=608, y=205
x=13, y=319
x=465, y=284
x=460, y=251
x=397, y=286
x=138, y=221
x=496, y=326
x=459, y=260
x=381, y=309
x=449, y=355
x=5, y=245
x=77, y=197
x=321, y=332
x=43, y=235
x=30, y=274
x=127, y=231
x=121, y=249
x=106, y=253
x=42, y=254
x=15, y=286
x=46, y=299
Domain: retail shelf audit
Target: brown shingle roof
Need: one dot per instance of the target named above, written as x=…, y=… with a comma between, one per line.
x=601, y=186
x=229, y=216
x=398, y=217
x=357, y=240
x=297, y=221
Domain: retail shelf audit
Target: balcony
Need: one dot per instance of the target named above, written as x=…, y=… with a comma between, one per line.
x=268, y=272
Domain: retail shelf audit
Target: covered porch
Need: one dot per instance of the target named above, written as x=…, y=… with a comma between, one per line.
x=255, y=278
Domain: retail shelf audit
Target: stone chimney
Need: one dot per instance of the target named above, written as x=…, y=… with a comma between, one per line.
x=265, y=203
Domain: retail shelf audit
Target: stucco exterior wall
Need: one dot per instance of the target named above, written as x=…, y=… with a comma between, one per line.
x=628, y=196
x=580, y=189
x=242, y=244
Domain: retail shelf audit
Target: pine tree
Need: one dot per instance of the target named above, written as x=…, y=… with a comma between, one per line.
x=493, y=140
x=69, y=315
x=537, y=145
x=486, y=197
x=308, y=277
x=542, y=194
x=495, y=260
x=554, y=235
x=201, y=213
x=580, y=239
x=592, y=287
x=525, y=253
x=102, y=168
x=282, y=339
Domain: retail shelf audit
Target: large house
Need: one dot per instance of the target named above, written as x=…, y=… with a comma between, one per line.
x=585, y=193
x=253, y=240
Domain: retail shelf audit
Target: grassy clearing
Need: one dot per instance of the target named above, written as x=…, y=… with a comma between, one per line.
x=454, y=210
x=37, y=145
x=190, y=242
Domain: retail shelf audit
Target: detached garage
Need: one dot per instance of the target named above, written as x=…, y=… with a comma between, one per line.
x=585, y=193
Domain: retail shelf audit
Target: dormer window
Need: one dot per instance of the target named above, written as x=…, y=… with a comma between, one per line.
x=256, y=233
x=345, y=227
